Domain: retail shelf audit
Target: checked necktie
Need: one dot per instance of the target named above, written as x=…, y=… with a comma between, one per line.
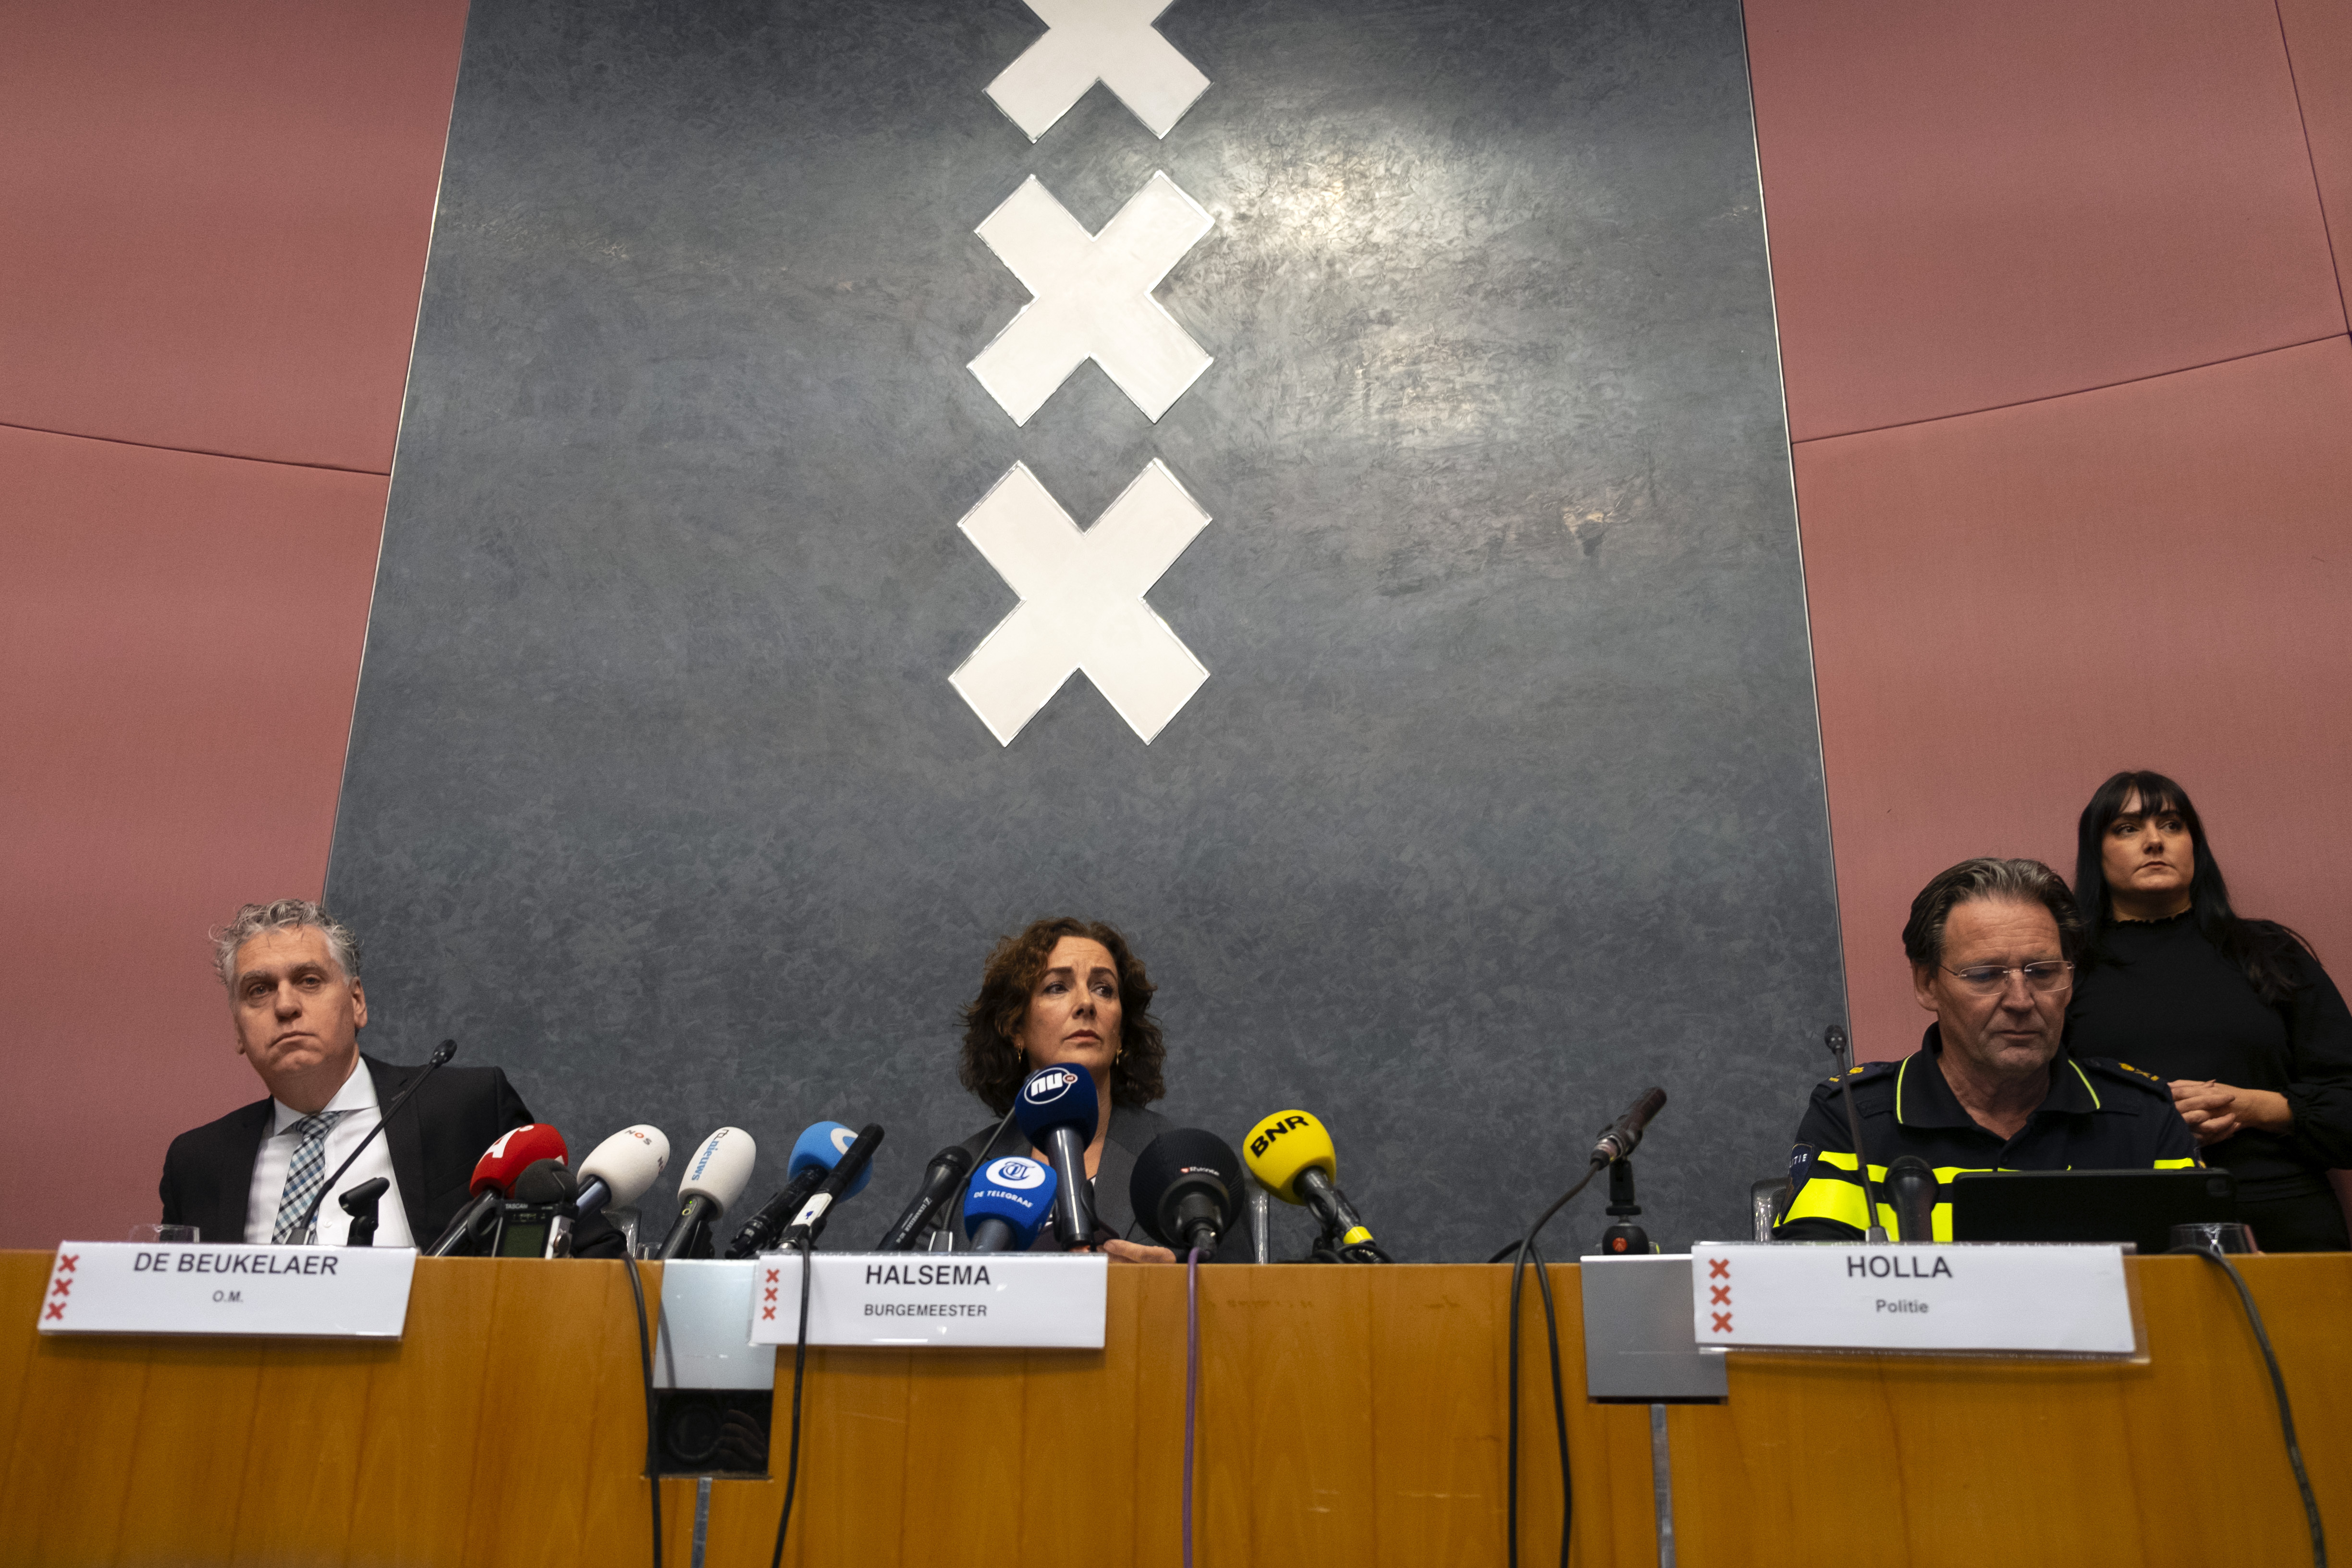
x=304, y=1175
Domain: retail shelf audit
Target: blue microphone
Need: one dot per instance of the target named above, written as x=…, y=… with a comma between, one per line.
x=1008, y=1204
x=814, y=1154
x=1056, y=1108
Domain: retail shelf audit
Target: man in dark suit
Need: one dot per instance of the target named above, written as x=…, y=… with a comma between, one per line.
x=292, y=973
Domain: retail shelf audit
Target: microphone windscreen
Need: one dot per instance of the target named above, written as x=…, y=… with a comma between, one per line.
x=1287, y=1143
x=542, y=1182
x=820, y=1147
x=1055, y=1097
x=720, y=1169
x=1016, y=1190
x=628, y=1162
x=1180, y=1161
x=513, y=1153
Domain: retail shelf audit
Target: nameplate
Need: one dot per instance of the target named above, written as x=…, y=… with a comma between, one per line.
x=2047, y=1300
x=299, y=1292
x=946, y=1300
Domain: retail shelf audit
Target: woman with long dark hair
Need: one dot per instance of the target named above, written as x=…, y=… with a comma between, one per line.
x=2236, y=1014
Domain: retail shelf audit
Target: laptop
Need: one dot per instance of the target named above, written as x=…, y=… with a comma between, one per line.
x=2137, y=1206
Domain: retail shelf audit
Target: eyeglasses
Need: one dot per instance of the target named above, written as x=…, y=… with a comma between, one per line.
x=1989, y=979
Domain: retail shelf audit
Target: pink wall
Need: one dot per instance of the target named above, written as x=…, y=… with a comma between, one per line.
x=217, y=218
x=2065, y=350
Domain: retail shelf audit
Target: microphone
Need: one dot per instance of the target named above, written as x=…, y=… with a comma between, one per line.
x=508, y=1156
x=1186, y=1189
x=1057, y=1109
x=1008, y=1204
x=1833, y=1040
x=440, y=1057
x=816, y=1150
x=1619, y=1137
x=1911, y=1183
x=360, y=1203
x=1290, y=1152
x=714, y=1179
x=853, y=1168
x=622, y=1169
x=534, y=1209
x=949, y=1166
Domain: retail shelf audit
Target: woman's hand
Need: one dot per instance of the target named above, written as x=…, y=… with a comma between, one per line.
x=2217, y=1110
x=1136, y=1252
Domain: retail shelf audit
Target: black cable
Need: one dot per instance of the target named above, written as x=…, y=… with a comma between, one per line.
x=646, y=1366
x=1519, y=1272
x=2278, y=1389
x=1559, y=1402
x=800, y=1364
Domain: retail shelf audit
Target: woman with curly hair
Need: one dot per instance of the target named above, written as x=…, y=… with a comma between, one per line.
x=1070, y=992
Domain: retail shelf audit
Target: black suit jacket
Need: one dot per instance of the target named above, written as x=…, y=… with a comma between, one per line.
x=435, y=1141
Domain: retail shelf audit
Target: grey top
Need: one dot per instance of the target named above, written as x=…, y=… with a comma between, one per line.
x=1132, y=1128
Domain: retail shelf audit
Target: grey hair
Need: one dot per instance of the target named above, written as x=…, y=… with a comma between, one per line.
x=286, y=914
x=2014, y=881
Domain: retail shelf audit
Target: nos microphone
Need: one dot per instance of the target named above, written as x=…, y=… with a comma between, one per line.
x=715, y=1178
x=1187, y=1189
x=949, y=1166
x=494, y=1178
x=1911, y=1183
x=855, y=1168
x=622, y=1169
x=1008, y=1204
x=816, y=1150
x=1619, y=1137
x=1291, y=1155
x=1057, y=1109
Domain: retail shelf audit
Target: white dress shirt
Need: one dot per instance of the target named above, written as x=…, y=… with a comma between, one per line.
x=357, y=1094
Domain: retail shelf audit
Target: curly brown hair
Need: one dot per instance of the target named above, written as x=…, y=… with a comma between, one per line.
x=991, y=1064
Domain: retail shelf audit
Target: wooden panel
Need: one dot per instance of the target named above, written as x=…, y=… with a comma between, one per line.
x=1348, y=1415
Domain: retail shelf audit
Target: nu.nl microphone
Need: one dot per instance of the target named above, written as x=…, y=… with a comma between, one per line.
x=1621, y=1136
x=715, y=1178
x=1057, y=1109
x=949, y=1167
x=1291, y=1155
x=852, y=1169
x=1911, y=1183
x=494, y=1178
x=1187, y=1189
x=1008, y=1204
x=816, y=1151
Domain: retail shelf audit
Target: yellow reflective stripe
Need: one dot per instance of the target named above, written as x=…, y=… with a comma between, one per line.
x=1898, y=1086
x=2191, y=1163
x=1832, y=1157
x=2087, y=1082
x=1828, y=1198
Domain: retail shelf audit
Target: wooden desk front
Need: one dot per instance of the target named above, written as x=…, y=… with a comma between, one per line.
x=1348, y=1416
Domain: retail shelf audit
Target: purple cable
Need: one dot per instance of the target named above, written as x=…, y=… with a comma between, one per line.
x=1191, y=1383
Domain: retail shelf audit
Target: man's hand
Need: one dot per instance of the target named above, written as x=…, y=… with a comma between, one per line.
x=1136, y=1252
x=2217, y=1110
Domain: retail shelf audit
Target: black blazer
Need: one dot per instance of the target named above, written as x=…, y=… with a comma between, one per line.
x=435, y=1141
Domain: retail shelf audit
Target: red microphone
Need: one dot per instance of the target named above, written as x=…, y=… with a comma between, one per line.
x=494, y=1178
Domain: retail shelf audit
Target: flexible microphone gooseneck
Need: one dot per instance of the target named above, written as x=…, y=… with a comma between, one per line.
x=441, y=1054
x=1834, y=1038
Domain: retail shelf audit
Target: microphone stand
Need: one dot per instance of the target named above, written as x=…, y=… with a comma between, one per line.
x=441, y=1054
x=1874, y=1234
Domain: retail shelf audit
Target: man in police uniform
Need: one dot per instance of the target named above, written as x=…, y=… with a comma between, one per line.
x=1992, y=944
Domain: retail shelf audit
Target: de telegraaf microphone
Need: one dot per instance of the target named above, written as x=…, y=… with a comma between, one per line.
x=1291, y=1155
x=1621, y=1136
x=494, y=1178
x=816, y=1151
x=854, y=1169
x=1187, y=1189
x=1008, y=1204
x=1057, y=1109
x=949, y=1167
x=714, y=1180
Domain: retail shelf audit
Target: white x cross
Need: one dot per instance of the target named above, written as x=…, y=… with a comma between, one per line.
x=1109, y=41
x=1081, y=603
x=1092, y=297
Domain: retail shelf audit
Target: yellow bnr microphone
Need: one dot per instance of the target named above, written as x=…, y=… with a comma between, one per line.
x=1291, y=1155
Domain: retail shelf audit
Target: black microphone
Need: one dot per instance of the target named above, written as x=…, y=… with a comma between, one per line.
x=1058, y=1108
x=1187, y=1189
x=441, y=1054
x=360, y=1203
x=1620, y=1138
x=1840, y=1052
x=802, y=1231
x=949, y=1166
x=1911, y=1183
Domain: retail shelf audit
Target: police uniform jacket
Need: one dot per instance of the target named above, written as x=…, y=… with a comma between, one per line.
x=2101, y=1115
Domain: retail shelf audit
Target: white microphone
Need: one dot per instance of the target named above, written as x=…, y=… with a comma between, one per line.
x=622, y=1168
x=715, y=1178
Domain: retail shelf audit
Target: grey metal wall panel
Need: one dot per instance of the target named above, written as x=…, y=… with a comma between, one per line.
x=1502, y=798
